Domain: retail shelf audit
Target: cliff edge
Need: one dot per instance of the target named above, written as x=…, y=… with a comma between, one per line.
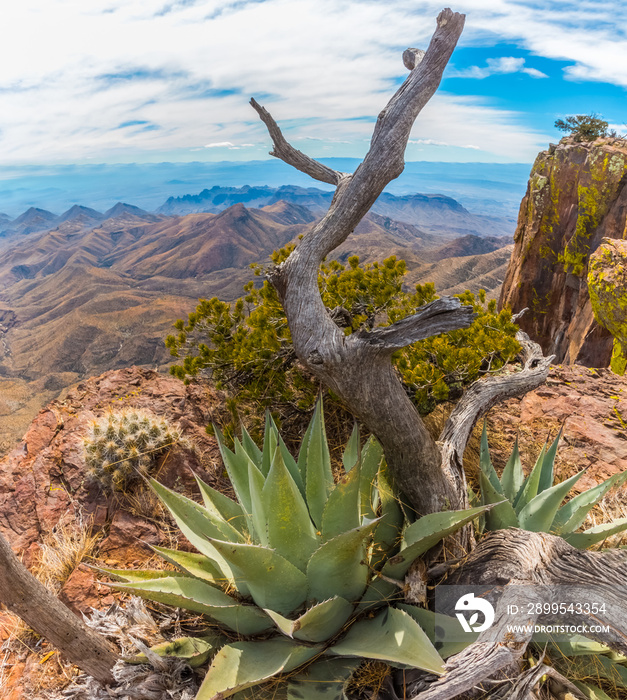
x=575, y=197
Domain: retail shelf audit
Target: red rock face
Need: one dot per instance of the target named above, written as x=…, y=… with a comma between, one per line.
x=590, y=404
x=576, y=196
x=43, y=481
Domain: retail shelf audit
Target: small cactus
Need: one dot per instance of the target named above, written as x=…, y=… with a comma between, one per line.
x=123, y=446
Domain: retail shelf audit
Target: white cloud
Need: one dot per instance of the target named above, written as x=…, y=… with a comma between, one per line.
x=498, y=66
x=71, y=73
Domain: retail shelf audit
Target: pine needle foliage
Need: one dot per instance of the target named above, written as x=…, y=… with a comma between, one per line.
x=247, y=349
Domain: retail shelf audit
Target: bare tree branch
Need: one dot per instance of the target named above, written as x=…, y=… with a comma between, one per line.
x=481, y=396
x=26, y=597
x=440, y=316
x=356, y=369
x=292, y=156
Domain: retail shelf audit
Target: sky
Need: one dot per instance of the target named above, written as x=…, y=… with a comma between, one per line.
x=115, y=81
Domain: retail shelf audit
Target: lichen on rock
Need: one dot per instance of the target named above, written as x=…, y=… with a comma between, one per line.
x=607, y=286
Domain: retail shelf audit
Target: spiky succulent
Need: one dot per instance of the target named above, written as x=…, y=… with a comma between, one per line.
x=534, y=503
x=300, y=572
x=122, y=446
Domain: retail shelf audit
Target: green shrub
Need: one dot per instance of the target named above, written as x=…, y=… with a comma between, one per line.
x=247, y=348
x=583, y=127
x=123, y=446
x=534, y=503
x=300, y=575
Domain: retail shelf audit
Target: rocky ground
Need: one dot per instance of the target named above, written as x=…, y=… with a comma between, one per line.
x=43, y=482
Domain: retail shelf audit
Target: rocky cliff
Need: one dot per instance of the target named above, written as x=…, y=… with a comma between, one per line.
x=576, y=196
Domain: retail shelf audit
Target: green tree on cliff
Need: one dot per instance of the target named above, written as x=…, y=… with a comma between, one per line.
x=583, y=127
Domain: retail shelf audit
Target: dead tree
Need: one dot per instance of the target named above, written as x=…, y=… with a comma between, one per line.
x=26, y=597
x=359, y=368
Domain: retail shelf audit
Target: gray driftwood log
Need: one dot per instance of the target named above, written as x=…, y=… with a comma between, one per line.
x=359, y=368
x=26, y=597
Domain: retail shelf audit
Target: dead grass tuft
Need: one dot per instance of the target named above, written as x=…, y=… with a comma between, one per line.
x=368, y=680
x=62, y=551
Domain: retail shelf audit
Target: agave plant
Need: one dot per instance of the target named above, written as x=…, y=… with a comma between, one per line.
x=534, y=502
x=300, y=575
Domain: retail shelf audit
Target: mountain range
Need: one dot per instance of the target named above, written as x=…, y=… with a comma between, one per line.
x=85, y=292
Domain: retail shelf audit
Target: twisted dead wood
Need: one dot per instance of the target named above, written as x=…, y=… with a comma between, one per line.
x=26, y=597
x=358, y=368
x=549, y=568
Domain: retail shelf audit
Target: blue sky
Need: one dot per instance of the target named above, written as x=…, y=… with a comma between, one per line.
x=169, y=80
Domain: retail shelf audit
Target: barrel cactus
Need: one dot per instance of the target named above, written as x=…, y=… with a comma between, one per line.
x=534, y=502
x=122, y=446
x=300, y=575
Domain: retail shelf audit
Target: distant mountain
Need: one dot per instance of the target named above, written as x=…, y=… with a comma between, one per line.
x=469, y=245
x=4, y=219
x=80, y=214
x=431, y=212
x=125, y=210
x=31, y=220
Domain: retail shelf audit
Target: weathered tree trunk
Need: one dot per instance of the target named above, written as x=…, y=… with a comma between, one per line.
x=25, y=596
x=548, y=568
x=359, y=367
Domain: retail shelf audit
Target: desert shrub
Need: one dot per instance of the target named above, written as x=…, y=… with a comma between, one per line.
x=302, y=577
x=246, y=347
x=583, y=127
x=123, y=446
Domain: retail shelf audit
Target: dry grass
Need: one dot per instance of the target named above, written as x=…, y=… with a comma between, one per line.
x=62, y=551
x=368, y=680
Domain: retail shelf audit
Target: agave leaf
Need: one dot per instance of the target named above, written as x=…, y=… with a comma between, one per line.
x=200, y=597
x=197, y=565
x=132, y=575
x=318, y=624
x=351, y=451
x=290, y=530
x=273, y=581
x=202, y=521
x=292, y=466
x=577, y=645
x=236, y=466
x=270, y=441
x=195, y=650
x=387, y=536
x=245, y=664
x=425, y=533
x=538, y=514
x=391, y=636
x=513, y=476
x=592, y=692
x=324, y=679
x=529, y=488
x=615, y=672
x=251, y=447
x=502, y=515
x=256, y=482
x=546, y=475
x=380, y=591
x=341, y=512
x=571, y=515
x=223, y=507
x=338, y=567
x=449, y=626
x=318, y=475
x=582, y=540
x=198, y=524
x=486, y=463
x=371, y=457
